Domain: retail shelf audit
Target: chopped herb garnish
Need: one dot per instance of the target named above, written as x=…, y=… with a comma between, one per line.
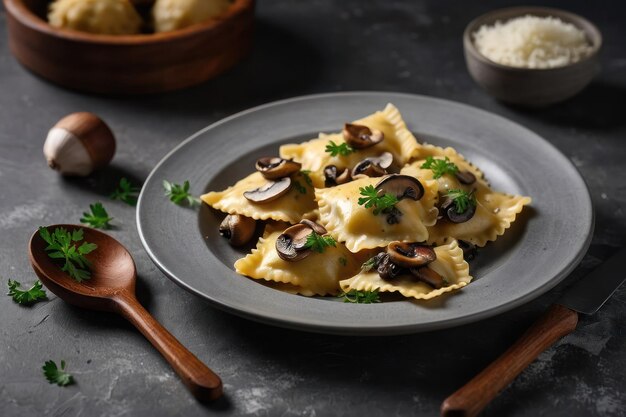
x=306, y=174
x=299, y=187
x=319, y=243
x=62, y=245
x=126, y=192
x=342, y=149
x=360, y=297
x=179, y=194
x=54, y=375
x=98, y=218
x=380, y=203
x=369, y=264
x=343, y=261
x=28, y=297
x=439, y=167
x=462, y=199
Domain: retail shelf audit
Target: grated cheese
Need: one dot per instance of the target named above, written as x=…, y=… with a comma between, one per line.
x=532, y=42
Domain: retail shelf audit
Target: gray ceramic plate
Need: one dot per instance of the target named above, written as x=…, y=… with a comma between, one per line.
x=542, y=247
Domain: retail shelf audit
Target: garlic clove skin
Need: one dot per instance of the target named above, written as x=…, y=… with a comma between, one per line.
x=79, y=144
x=65, y=153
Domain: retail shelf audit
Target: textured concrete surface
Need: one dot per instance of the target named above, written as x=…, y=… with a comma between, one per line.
x=301, y=48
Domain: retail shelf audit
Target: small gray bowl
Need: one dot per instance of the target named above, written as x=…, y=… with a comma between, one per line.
x=528, y=86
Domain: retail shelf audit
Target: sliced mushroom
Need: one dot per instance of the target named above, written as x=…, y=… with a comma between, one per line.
x=374, y=166
x=386, y=268
x=269, y=192
x=449, y=210
x=316, y=227
x=402, y=186
x=332, y=176
x=410, y=255
x=429, y=276
x=237, y=229
x=360, y=137
x=469, y=249
x=465, y=177
x=274, y=168
x=344, y=177
x=290, y=245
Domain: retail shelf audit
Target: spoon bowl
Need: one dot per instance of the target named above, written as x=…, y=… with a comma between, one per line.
x=111, y=287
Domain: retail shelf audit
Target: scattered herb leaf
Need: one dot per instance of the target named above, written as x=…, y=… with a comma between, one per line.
x=126, y=192
x=360, y=297
x=343, y=261
x=299, y=187
x=179, y=194
x=319, y=243
x=342, y=149
x=462, y=199
x=54, y=375
x=439, y=167
x=306, y=174
x=380, y=203
x=98, y=218
x=62, y=245
x=28, y=297
x=369, y=264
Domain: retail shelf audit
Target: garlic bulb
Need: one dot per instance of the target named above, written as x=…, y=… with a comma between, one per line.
x=78, y=144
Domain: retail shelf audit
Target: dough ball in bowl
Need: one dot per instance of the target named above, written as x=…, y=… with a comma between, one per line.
x=111, y=17
x=170, y=15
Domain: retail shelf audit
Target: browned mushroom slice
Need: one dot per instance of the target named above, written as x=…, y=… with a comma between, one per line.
x=465, y=177
x=269, y=192
x=429, y=276
x=291, y=244
x=374, y=166
x=469, y=249
x=274, y=168
x=449, y=210
x=332, y=176
x=386, y=268
x=401, y=186
x=360, y=137
x=316, y=227
x=237, y=229
x=410, y=255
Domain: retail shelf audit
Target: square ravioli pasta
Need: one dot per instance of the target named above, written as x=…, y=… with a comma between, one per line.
x=359, y=228
x=397, y=140
x=449, y=264
x=317, y=274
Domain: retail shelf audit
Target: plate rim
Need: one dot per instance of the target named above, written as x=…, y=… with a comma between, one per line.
x=371, y=329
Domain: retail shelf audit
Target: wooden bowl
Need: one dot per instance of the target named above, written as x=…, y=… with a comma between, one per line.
x=129, y=64
x=529, y=86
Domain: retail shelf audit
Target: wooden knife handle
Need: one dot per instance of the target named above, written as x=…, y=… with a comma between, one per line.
x=203, y=383
x=474, y=396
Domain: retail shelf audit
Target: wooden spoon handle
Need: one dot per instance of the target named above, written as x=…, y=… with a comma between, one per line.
x=471, y=398
x=203, y=383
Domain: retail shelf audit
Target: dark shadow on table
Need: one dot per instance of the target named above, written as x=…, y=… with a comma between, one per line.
x=104, y=181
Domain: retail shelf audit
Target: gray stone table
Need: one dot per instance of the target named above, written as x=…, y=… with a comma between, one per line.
x=301, y=48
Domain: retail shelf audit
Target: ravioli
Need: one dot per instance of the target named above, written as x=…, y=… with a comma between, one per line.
x=317, y=274
x=359, y=228
x=399, y=141
x=449, y=264
x=296, y=204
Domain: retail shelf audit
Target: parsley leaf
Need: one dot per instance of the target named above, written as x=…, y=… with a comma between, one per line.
x=319, y=243
x=299, y=187
x=54, y=375
x=179, y=194
x=28, y=297
x=380, y=203
x=439, y=167
x=343, y=261
x=369, y=264
x=342, y=149
x=62, y=245
x=98, y=218
x=126, y=192
x=360, y=297
x=462, y=199
x=306, y=174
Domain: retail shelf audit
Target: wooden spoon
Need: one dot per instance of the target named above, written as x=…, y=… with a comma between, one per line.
x=112, y=288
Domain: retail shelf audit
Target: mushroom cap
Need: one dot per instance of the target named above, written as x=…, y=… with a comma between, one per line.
x=290, y=245
x=449, y=209
x=465, y=177
x=316, y=227
x=429, y=276
x=386, y=268
x=367, y=168
x=360, y=136
x=237, y=229
x=410, y=255
x=269, y=192
x=401, y=186
x=273, y=167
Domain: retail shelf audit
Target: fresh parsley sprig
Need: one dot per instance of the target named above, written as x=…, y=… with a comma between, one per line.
x=62, y=244
x=28, y=297
x=126, y=192
x=360, y=297
x=372, y=199
x=56, y=375
x=179, y=194
x=342, y=149
x=319, y=243
x=440, y=167
x=462, y=199
x=98, y=218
